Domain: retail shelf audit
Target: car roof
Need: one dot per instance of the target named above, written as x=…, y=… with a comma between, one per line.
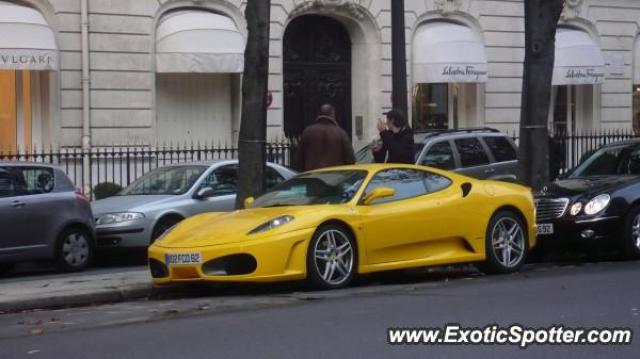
x=28, y=164
x=423, y=136
x=209, y=163
x=622, y=143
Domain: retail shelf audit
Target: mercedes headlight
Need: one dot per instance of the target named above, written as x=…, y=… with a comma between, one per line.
x=271, y=224
x=575, y=208
x=113, y=218
x=597, y=204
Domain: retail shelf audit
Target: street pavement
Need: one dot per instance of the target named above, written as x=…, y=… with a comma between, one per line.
x=287, y=322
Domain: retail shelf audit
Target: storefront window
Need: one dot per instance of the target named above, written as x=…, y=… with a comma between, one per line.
x=636, y=108
x=431, y=106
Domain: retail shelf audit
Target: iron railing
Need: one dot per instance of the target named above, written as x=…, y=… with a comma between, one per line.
x=122, y=165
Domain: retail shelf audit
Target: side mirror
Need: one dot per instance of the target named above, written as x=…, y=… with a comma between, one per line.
x=248, y=202
x=377, y=193
x=204, y=192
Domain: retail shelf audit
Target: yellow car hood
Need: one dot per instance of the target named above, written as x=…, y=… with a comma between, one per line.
x=225, y=228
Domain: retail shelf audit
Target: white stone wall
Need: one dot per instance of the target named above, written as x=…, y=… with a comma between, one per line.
x=123, y=77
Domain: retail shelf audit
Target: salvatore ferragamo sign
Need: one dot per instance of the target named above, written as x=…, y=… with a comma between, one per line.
x=448, y=72
x=578, y=75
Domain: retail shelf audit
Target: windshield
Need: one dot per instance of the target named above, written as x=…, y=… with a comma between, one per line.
x=614, y=160
x=326, y=187
x=166, y=180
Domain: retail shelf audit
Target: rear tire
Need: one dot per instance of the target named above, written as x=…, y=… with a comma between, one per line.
x=5, y=268
x=631, y=237
x=332, y=258
x=163, y=225
x=75, y=249
x=506, y=244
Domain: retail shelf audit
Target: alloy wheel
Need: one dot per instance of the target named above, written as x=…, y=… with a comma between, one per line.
x=635, y=231
x=508, y=242
x=333, y=256
x=75, y=249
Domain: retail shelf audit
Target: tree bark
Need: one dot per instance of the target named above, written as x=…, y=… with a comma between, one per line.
x=541, y=21
x=253, y=121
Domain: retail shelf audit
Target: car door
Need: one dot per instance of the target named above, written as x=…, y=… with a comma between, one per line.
x=504, y=155
x=33, y=211
x=223, y=181
x=408, y=225
x=474, y=160
x=13, y=218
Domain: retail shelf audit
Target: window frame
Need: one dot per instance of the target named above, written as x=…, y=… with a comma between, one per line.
x=482, y=144
x=454, y=154
x=490, y=151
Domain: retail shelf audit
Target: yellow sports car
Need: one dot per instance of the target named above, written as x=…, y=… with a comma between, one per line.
x=329, y=225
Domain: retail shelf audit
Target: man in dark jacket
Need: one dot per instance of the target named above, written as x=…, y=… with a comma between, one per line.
x=324, y=143
x=397, y=140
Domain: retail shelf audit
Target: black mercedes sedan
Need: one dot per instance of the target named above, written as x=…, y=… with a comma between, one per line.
x=597, y=200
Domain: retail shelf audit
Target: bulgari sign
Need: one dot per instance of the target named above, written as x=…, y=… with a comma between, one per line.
x=28, y=59
x=433, y=73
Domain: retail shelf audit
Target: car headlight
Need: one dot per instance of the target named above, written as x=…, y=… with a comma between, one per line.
x=271, y=224
x=597, y=204
x=112, y=218
x=575, y=208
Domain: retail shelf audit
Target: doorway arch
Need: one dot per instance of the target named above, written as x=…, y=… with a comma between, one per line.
x=317, y=70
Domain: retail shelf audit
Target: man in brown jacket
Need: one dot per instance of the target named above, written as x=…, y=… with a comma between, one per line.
x=324, y=143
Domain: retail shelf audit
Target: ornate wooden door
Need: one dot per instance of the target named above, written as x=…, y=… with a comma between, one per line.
x=317, y=70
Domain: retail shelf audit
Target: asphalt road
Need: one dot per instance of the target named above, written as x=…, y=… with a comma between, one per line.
x=349, y=323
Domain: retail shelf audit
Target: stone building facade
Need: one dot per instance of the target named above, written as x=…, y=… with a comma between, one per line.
x=169, y=71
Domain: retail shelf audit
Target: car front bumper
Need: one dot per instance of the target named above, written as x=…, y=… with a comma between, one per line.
x=278, y=258
x=125, y=234
x=577, y=229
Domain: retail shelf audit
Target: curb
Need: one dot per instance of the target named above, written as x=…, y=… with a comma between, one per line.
x=77, y=299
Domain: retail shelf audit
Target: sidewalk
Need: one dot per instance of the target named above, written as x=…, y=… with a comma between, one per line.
x=81, y=289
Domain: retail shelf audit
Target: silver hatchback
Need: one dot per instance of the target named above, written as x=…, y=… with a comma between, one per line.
x=155, y=202
x=43, y=217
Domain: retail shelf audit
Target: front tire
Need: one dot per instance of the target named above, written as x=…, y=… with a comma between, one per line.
x=332, y=258
x=506, y=244
x=631, y=245
x=74, y=250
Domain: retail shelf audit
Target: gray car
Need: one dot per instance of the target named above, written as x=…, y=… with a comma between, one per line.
x=155, y=202
x=42, y=217
x=483, y=153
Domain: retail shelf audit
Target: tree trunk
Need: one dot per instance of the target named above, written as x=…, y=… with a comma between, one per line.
x=253, y=125
x=398, y=58
x=541, y=20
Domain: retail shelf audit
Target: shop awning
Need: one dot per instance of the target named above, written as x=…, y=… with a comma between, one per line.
x=578, y=59
x=26, y=41
x=448, y=52
x=199, y=41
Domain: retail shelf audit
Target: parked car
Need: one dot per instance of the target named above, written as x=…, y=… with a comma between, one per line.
x=331, y=224
x=598, y=200
x=482, y=153
x=158, y=200
x=43, y=217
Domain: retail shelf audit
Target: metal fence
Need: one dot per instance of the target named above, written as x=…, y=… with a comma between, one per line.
x=122, y=165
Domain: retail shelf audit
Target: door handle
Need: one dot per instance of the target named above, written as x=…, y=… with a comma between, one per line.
x=490, y=170
x=18, y=204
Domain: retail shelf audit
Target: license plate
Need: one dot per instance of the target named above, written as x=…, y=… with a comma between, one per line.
x=545, y=228
x=182, y=258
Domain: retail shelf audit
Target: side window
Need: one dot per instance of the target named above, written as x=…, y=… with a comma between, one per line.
x=471, y=152
x=435, y=183
x=272, y=178
x=440, y=155
x=501, y=148
x=223, y=180
x=406, y=182
x=7, y=184
x=27, y=180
